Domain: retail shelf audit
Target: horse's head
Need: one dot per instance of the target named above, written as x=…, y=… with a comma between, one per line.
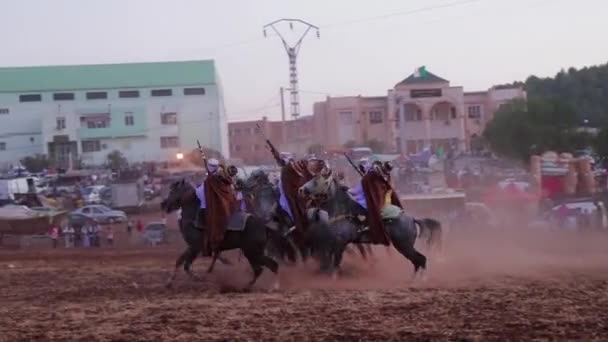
x=321, y=185
x=256, y=179
x=179, y=191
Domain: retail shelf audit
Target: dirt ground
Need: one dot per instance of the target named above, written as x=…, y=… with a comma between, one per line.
x=507, y=285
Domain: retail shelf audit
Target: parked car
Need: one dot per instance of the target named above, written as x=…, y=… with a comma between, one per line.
x=102, y=214
x=155, y=233
x=93, y=194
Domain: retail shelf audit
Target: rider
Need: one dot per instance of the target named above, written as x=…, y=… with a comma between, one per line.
x=376, y=195
x=294, y=174
x=357, y=192
x=238, y=185
x=218, y=202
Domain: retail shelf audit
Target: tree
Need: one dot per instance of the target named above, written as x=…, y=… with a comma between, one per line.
x=376, y=145
x=194, y=156
x=36, y=163
x=316, y=149
x=538, y=124
x=600, y=143
x=585, y=89
x=116, y=160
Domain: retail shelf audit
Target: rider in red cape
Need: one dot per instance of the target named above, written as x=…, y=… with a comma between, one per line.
x=221, y=203
x=294, y=174
x=376, y=188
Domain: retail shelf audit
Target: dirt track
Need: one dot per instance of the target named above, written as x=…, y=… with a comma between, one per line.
x=502, y=286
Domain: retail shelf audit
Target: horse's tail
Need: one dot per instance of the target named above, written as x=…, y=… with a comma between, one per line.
x=431, y=228
x=282, y=244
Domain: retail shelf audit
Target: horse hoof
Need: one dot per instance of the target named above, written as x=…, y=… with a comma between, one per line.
x=335, y=276
x=169, y=285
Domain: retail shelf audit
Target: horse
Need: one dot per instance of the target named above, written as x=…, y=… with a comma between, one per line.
x=264, y=198
x=336, y=220
x=252, y=240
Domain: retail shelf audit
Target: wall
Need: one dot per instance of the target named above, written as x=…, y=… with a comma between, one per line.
x=20, y=129
x=199, y=117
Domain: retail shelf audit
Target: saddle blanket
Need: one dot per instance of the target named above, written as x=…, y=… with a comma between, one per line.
x=390, y=211
x=237, y=221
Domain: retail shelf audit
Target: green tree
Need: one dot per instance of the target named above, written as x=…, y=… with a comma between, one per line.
x=36, y=163
x=538, y=124
x=600, y=143
x=116, y=160
x=316, y=149
x=585, y=89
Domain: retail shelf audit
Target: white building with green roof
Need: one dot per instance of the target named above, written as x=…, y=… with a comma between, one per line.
x=148, y=111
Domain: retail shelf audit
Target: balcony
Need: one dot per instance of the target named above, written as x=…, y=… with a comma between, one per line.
x=118, y=123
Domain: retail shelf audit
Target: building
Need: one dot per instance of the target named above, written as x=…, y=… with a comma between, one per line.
x=248, y=138
x=147, y=111
x=422, y=110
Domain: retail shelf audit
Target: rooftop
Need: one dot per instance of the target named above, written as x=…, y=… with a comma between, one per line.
x=422, y=76
x=106, y=76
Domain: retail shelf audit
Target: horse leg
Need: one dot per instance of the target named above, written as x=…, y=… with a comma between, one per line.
x=273, y=266
x=338, y=253
x=256, y=261
x=188, y=264
x=216, y=255
x=361, y=249
x=415, y=257
x=180, y=260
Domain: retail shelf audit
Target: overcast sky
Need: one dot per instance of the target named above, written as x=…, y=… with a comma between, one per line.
x=365, y=46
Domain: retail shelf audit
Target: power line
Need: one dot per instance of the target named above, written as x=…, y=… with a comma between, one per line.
x=400, y=13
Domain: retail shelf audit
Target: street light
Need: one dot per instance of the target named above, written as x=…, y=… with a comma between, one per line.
x=179, y=156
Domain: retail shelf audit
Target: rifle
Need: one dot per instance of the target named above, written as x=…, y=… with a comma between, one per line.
x=270, y=146
x=386, y=181
x=353, y=164
x=200, y=150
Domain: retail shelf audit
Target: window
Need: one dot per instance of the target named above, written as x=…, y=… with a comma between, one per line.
x=346, y=118
x=91, y=146
x=375, y=117
x=97, y=95
x=60, y=123
x=129, y=120
x=4, y=111
x=474, y=112
x=161, y=92
x=63, y=96
x=2, y=146
x=453, y=112
x=128, y=93
x=194, y=91
x=101, y=120
x=168, y=118
x=169, y=142
x=30, y=98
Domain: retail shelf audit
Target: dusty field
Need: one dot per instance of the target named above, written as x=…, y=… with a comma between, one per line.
x=502, y=286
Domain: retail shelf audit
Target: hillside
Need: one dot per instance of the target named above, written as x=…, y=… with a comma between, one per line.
x=585, y=89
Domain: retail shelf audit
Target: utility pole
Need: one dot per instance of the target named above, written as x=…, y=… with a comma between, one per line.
x=283, y=128
x=292, y=54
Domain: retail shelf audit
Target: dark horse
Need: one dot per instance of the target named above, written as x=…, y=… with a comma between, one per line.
x=252, y=240
x=336, y=221
x=264, y=200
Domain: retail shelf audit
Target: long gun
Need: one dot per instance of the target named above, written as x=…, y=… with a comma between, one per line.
x=200, y=150
x=270, y=146
x=353, y=164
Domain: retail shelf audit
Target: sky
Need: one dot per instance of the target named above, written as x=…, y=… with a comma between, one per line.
x=365, y=47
